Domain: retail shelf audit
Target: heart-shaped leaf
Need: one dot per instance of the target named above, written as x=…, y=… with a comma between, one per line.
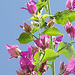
x=49, y=55
x=25, y=38
x=52, y=31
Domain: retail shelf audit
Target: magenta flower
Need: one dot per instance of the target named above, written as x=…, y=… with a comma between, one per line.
x=70, y=29
x=30, y=54
x=57, y=39
x=26, y=28
x=13, y=50
x=26, y=65
x=31, y=7
x=70, y=4
x=43, y=67
x=43, y=43
x=69, y=67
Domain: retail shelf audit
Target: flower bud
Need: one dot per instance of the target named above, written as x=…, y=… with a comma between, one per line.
x=62, y=67
x=43, y=67
x=51, y=22
x=26, y=28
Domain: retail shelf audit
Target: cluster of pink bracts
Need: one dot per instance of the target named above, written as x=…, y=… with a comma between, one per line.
x=70, y=29
x=68, y=68
x=70, y=4
x=31, y=7
x=27, y=57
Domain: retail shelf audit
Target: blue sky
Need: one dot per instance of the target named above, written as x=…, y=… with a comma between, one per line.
x=10, y=19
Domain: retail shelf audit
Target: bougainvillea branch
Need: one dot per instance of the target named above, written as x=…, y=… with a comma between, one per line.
x=36, y=60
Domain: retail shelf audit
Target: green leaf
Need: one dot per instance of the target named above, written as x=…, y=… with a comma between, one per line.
x=25, y=38
x=63, y=16
x=50, y=55
x=52, y=31
x=40, y=5
x=45, y=15
x=66, y=49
